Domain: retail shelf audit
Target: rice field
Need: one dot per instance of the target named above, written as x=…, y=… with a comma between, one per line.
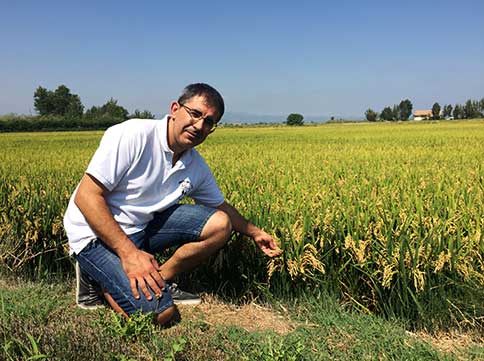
x=388, y=216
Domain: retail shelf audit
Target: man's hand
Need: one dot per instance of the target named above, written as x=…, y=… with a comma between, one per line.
x=143, y=271
x=267, y=244
x=263, y=240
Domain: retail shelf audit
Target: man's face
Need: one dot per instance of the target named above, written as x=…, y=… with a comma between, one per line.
x=183, y=131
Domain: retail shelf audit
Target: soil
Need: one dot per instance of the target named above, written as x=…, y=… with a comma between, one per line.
x=251, y=317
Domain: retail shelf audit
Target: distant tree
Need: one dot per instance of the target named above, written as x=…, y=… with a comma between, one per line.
x=43, y=101
x=444, y=111
x=295, y=119
x=481, y=106
x=74, y=109
x=471, y=109
x=479, y=112
x=371, y=115
x=145, y=114
x=447, y=111
x=110, y=110
x=458, y=112
x=396, y=112
x=405, y=109
x=62, y=96
x=386, y=114
x=59, y=102
x=113, y=109
x=436, y=111
x=93, y=112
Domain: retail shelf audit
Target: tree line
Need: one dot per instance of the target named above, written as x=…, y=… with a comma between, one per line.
x=401, y=111
x=470, y=110
x=60, y=109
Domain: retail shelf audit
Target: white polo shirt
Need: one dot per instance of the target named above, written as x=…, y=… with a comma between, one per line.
x=134, y=163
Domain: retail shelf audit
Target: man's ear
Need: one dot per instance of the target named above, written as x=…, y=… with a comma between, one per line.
x=174, y=108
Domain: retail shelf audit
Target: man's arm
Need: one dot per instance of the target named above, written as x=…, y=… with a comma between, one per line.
x=140, y=267
x=263, y=240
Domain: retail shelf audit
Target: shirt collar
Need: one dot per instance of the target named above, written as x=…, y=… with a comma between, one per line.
x=163, y=126
x=186, y=157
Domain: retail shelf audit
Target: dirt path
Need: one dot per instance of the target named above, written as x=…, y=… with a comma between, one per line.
x=251, y=317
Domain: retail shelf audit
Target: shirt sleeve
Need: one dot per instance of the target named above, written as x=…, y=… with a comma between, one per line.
x=207, y=193
x=113, y=157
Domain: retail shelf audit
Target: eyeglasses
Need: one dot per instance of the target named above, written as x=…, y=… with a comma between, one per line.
x=208, y=123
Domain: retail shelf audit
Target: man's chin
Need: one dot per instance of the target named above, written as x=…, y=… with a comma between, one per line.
x=187, y=144
x=192, y=140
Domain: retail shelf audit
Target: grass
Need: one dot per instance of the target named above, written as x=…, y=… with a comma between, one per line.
x=40, y=321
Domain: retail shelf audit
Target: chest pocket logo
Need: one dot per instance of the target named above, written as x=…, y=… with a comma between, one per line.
x=186, y=187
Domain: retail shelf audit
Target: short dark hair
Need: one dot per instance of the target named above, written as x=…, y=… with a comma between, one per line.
x=211, y=95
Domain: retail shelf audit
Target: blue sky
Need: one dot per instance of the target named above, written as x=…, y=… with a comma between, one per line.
x=265, y=57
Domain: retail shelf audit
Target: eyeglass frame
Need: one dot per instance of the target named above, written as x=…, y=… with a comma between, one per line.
x=196, y=119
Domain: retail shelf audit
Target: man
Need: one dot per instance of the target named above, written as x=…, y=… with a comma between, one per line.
x=126, y=208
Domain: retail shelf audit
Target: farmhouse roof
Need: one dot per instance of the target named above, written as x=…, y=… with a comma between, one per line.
x=422, y=113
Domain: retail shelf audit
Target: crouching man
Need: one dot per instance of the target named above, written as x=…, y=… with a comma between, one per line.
x=126, y=208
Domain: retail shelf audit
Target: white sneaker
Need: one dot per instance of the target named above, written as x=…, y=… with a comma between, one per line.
x=88, y=291
x=182, y=297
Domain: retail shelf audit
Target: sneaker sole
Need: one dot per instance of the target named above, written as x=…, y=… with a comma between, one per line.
x=90, y=308
x=187, y=302
x=78, y=283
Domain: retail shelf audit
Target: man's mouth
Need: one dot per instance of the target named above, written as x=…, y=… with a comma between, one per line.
x=193, y=135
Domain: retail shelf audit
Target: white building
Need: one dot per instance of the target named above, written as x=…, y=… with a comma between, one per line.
x=422, y=115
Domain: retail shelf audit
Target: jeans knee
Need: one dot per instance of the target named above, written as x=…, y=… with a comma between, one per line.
x=165, y=316
x=223, y=225
x=217, y=230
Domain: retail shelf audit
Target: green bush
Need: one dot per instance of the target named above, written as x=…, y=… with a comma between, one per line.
x=22, y=123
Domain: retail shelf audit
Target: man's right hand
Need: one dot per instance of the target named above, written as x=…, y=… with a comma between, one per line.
x=143, y=272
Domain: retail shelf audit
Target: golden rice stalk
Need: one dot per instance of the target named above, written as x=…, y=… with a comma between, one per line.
x=306, y=265
x=418, y=279
x=443, y=259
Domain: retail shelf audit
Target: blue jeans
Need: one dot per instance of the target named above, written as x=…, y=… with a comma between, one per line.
x=179, y=224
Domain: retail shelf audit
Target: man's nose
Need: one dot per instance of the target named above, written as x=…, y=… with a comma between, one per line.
x=199, y=125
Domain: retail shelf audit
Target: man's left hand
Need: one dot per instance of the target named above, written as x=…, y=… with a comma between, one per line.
x=267, y=244
x=263, y=240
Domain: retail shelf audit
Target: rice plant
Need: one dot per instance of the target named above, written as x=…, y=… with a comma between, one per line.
x=390, y=216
